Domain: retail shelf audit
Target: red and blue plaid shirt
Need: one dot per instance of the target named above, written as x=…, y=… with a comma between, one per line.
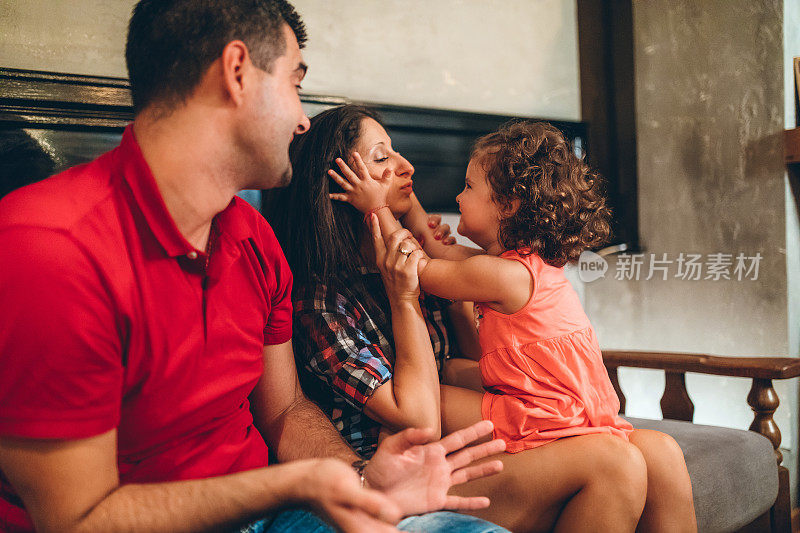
x=344, y=346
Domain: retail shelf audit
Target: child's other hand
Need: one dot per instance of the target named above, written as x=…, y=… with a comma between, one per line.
x=441, y=232
x=361, y=190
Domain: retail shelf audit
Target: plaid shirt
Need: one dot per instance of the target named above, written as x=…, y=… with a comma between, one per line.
x=344, y=347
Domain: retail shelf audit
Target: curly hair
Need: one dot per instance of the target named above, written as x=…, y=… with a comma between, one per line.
x=562, y=206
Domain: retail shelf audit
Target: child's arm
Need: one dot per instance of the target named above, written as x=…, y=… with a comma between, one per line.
x=503, y=284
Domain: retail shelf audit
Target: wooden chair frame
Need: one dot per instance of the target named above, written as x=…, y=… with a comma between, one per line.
x=763, y=400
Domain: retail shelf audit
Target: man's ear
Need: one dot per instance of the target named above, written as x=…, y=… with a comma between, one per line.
x=236, y=70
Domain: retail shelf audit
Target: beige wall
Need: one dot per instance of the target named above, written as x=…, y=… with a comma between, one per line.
x=791, y=49
x=73, y=36
x=504, y=56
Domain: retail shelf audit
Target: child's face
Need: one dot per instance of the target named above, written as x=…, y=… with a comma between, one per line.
x=479, y=213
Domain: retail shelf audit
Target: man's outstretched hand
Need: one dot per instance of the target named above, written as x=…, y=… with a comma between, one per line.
x=417, y=474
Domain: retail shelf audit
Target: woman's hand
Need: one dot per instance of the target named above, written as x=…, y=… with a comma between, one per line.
x=397, y=259
x=361, y=190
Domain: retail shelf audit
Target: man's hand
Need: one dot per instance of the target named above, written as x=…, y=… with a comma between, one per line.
x=333, y=489
x=417, y=474
x=73, y=486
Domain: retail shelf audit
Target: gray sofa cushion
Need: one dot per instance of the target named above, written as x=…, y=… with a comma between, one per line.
x=734, y=473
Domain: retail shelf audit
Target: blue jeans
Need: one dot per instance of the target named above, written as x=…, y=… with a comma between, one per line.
x=440, y=522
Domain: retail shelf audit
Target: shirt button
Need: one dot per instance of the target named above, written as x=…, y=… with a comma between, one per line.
x=192, y=255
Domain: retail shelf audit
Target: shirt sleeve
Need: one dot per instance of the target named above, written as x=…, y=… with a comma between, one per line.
x=61, y=365
x=333, y=346
x=279, y=323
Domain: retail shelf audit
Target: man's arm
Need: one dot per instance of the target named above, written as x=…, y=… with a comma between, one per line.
x=60, y=376
x=290, y=423
x=73, y=486
x=412, y=471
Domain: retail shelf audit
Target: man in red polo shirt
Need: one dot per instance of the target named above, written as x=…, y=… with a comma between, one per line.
x=145, y=354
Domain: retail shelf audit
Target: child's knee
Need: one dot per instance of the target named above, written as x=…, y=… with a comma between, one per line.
x=622, y=468
x=672, y=450
x=664, y=453
x=666, y=466
x=631, y=466
x=673, y=464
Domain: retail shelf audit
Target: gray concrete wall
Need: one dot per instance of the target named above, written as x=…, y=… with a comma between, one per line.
x=710, y=115
x=791, y=49
x=73, y=36
x=497, y=56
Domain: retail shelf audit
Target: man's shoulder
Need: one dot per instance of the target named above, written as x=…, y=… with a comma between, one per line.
x=247, y=222
x=242, y=209
x=60, y=201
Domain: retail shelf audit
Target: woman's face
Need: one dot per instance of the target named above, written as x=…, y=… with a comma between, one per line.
x=375, y=148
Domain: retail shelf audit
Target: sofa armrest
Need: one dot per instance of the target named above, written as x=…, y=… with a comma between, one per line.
x=676, y=403
x=762, y=398
x=745, y=367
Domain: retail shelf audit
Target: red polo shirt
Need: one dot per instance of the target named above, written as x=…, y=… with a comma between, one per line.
x=111, y=319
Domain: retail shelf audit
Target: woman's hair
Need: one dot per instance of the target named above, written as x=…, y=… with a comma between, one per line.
x=562, y=207
x=320, y=237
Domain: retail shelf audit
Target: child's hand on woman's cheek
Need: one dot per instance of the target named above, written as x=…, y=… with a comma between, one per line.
x=361, y=190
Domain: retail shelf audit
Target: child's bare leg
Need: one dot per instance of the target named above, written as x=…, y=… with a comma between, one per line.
x=587, y=483
x=613, y=485
x=669, y=505
x=462, y=372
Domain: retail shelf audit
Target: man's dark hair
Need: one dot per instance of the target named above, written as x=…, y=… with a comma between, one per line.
x=171, y=43
x=320, y=237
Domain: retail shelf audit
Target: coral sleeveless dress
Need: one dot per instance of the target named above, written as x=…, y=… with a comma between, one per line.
x=542, y=366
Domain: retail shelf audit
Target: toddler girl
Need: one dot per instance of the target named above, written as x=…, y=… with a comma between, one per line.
x=533, y=206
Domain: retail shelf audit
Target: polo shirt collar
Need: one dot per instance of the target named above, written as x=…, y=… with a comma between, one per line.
x=137, y=174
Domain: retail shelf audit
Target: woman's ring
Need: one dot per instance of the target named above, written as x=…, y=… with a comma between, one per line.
x=404, y=251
